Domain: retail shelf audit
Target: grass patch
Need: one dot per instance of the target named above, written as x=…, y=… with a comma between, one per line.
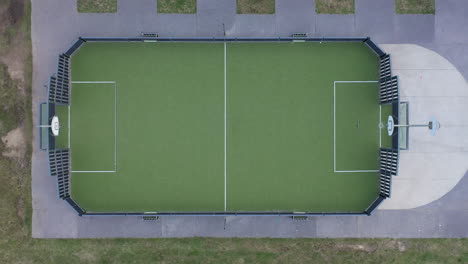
x=177, y=6
x=235, y=250
x=415, y=6
x=334, y=6
x=15, y=113
x=255, y=6
x=12, y=106
x=97, y=6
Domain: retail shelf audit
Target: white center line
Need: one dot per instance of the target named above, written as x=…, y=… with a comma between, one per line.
x=225, y=131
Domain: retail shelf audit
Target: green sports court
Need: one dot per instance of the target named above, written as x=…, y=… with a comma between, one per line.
x=224, y=127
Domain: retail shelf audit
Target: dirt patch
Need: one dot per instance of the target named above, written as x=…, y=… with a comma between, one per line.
x=15, y=143
x=14, y=59
x=86, y=256
x=399, y=245
x=16, y=11
x=13, y=45
x=20, y=209
x=395, y=244
x=11, y=12
x=239, y=261
x=357, y=247
x=4, y=21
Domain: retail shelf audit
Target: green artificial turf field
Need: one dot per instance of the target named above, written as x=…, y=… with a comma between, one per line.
x=194, y=127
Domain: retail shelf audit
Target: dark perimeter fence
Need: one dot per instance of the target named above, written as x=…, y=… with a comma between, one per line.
x=59, y=94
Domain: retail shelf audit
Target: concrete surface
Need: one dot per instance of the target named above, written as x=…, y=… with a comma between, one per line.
x=433, y=165
x=445, y=217
x=56, y=25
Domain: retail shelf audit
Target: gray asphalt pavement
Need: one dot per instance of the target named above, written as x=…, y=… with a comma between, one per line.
x=56, y=25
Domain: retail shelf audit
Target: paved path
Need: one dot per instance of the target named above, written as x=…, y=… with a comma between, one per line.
x=56, y=25
x=446, y=217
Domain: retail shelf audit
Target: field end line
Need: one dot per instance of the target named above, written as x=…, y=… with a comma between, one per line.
x=93, y=82
x=115, y=126
x=225, y=132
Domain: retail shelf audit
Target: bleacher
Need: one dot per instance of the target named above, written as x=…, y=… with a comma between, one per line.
x=59, y=85
x=59, y=163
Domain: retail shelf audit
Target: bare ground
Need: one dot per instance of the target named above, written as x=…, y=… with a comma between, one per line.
x=14, y=59
x=15, y=123
x=13, y=56
x=14, y=142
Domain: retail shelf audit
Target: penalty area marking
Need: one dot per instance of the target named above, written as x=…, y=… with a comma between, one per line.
x=115, y=126
x=334, y=127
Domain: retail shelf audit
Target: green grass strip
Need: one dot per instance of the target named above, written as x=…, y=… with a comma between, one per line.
x=415, y=6
x=255, y=6
x=97, y=6
x=334, y=6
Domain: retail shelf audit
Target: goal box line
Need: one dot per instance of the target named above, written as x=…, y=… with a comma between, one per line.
x=115, y=127
x=334, y=128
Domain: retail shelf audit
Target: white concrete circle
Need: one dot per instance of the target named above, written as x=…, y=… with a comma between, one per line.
x=55, y=126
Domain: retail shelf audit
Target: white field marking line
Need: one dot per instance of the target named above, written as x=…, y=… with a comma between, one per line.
x=380, y=129
x=225, y=130
x=92, y=171
x=334, y=126
x=115, y=127
x=69, y=130
x=359, y=171
x=356, y=81
x=93, y=82
x=69, y=125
